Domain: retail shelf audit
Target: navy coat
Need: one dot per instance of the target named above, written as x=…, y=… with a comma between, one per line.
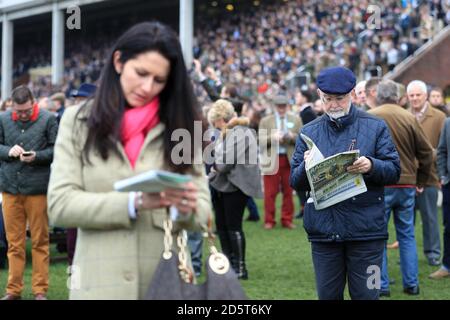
x=360, y=217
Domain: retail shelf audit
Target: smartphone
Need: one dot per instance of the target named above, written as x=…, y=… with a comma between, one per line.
x=27, y=153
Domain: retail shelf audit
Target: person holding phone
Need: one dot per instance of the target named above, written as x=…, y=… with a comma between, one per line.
x=144, y=95
x=27, y=137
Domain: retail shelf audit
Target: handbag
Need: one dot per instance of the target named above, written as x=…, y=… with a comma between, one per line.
x=174, y=280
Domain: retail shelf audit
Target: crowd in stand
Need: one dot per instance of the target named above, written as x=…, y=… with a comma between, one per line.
x=270, y=44
x=256, y=49
x=241, y=78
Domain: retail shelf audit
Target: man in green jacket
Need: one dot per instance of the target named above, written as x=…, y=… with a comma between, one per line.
x=27, y=137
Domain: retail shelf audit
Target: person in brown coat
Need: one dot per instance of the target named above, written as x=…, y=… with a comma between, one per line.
x=432, y=122
x=416, y=159
x=277, y=133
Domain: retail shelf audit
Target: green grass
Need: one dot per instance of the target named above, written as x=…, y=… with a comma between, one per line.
x=58, y=276
x=279, y=265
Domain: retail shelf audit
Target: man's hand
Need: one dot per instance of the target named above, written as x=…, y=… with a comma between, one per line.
x=306, y=155
x=28, y=159
x=362, y=165
x=278, y=136
x=15, y=151
x=419, y=190
x=288, y=136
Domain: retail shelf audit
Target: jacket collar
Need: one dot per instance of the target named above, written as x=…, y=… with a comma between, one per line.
x=241, y=121
x=152, y=135
x=34, y=115
x=341, y=123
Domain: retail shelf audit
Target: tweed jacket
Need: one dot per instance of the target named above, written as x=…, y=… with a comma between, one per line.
x=265, y=134
x=115, y=256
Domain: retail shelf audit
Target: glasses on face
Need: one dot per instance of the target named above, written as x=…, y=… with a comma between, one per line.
x=338, y=99
x=27, y=112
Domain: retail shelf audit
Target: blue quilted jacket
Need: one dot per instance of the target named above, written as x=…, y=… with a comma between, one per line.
x=360, y=217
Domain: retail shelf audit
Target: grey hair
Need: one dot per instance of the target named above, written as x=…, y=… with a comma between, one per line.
x=418, y=83
x=387, y=92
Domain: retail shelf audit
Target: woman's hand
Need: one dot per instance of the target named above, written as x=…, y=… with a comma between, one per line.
x=150, y=201
x=185, y=200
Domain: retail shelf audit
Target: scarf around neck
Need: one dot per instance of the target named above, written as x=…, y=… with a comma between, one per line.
x=34, y=115
x=136, y=124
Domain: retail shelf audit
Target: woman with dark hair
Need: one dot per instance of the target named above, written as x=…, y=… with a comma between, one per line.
x=144, y=95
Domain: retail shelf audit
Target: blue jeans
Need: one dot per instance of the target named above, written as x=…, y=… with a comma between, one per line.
x=195, y=243
x=252, y=209
x=401, y=201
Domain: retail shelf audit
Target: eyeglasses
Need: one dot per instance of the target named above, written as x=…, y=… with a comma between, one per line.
x=27, y=112
x=338, y=99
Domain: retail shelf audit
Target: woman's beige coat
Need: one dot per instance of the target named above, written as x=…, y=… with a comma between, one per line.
x=115, y=256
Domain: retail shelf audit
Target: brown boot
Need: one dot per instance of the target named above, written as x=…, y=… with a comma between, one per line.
x=439, y=274
x=9, y=296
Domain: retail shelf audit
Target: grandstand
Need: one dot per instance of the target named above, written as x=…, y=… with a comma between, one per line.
x=253, y=44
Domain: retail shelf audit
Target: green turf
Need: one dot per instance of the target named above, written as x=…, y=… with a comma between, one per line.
x=279, y=266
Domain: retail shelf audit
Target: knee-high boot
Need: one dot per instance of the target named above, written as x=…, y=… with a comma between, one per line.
x=238, y=247
x=225, y=243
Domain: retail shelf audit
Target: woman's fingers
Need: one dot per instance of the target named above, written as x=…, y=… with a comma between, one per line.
x=184, y=199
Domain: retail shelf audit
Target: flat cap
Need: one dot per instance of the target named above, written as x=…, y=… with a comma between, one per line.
x=336, y=80
x=85, y=90
x=280, y=100
x=59, y=96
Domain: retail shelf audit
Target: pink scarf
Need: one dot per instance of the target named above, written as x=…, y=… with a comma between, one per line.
x=136, y=123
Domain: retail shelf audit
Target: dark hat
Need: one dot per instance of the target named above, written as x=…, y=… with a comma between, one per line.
x=280, y=100
x=336, y=80
x=85, y=90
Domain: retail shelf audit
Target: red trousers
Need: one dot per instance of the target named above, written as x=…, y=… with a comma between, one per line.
x=272, y=184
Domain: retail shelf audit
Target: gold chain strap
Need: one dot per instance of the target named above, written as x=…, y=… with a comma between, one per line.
x=168, y=240
x=185, y=272
x=217, y=261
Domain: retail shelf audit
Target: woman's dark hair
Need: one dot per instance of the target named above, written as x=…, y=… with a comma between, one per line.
x=178, y=105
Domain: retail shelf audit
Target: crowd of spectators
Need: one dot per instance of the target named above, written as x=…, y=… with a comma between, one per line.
x=272, y=45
